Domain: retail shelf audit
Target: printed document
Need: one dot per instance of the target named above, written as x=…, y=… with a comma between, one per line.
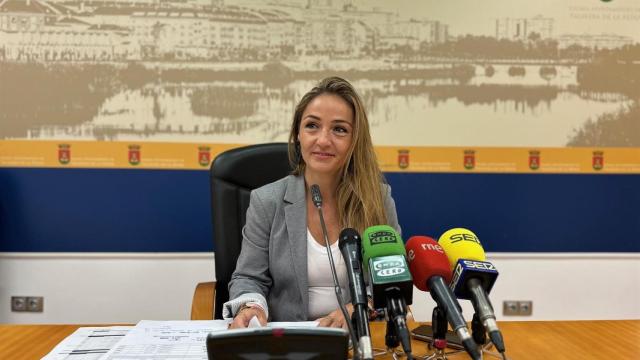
x=148, y=340
x=88, y=343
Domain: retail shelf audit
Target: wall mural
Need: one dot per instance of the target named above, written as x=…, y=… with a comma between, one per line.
x=491, y=86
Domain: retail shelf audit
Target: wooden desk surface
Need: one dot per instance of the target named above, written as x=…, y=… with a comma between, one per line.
x=523, y=339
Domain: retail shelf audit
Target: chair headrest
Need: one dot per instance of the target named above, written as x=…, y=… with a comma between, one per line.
x=252, y=166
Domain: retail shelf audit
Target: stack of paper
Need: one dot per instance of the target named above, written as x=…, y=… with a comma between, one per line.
x=88, y=343
x=147, y=340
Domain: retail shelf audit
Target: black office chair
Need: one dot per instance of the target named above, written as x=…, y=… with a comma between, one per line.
x=234, y=173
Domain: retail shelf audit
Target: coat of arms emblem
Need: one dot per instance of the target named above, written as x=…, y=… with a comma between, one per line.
x=534, y=159
x=204, y=156
x=598, y=160
x=64, y=153
x=469, y=159
x=403, y=159
x=134, y=154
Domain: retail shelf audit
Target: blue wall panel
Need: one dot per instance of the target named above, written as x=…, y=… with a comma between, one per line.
x=522, y=212
x=96, y=210
x=82, y=210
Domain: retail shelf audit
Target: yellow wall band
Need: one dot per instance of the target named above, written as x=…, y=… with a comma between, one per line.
x=193, y=156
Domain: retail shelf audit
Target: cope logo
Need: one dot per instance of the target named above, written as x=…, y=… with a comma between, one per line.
x=382, y=237
x=464, y=237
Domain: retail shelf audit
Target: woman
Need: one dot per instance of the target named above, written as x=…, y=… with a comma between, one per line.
x=283, y=271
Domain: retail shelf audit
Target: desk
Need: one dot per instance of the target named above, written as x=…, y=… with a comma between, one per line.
x=524, y=339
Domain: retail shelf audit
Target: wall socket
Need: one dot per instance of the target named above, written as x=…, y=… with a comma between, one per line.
x=517, y=307
x=27, y=303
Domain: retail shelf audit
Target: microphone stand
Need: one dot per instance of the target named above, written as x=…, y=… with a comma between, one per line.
x=317, y=200
x=439, y=342
x=391, y=339
x=396, y=316
x=478, y=331
x=439, y=329
x=479, y=336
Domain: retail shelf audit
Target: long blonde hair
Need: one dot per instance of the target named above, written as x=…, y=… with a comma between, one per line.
x=359, y=193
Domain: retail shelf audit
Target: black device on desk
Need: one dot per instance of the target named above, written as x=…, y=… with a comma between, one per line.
x=425, y=333
x=278, y=343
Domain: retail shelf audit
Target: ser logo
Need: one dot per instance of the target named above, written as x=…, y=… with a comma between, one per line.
x=464, y=237
x=456, y=276
x=480, y=265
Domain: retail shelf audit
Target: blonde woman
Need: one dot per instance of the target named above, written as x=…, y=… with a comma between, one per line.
x=283, y=273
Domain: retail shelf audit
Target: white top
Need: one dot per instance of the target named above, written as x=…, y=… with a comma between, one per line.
x=322, y=297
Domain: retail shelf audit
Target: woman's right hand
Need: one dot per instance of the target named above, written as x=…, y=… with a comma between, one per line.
x=242, y=318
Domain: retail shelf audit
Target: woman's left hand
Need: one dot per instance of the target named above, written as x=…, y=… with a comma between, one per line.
x=335, y=318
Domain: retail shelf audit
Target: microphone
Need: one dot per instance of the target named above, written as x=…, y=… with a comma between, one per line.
x=386, y=266
x=430, y=269
x=316, y=197
x=473, y=277
x=349, y=243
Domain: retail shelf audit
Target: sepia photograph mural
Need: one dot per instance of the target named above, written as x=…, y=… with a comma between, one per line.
x=459, y=75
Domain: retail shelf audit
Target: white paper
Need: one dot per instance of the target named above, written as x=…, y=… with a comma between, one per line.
x=166, y=340
x=88, y=343
x=148, y=340
x=254, y=322
x=296, y=324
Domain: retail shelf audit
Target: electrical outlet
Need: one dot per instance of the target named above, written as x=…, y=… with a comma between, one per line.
x=27, y=303
x=510, y=308
x=35, y=303
x=18, y=303
x=525, y=308
x=517, y=307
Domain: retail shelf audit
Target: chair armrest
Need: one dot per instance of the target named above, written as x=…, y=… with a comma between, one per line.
x=203, y=301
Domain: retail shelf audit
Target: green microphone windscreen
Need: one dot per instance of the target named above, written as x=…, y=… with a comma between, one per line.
x=380, y=240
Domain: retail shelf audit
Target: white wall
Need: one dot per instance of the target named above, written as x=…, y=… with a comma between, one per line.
x=561, y=286
x=103, y=288
x=124, y=288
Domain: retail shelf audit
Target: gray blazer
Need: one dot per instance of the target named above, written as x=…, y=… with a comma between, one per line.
x=272, y=266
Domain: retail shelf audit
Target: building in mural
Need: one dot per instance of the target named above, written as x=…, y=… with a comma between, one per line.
x=524, y=29
x=601, y=41
x=231, y=71
x=44, y=30
x=41, y=31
